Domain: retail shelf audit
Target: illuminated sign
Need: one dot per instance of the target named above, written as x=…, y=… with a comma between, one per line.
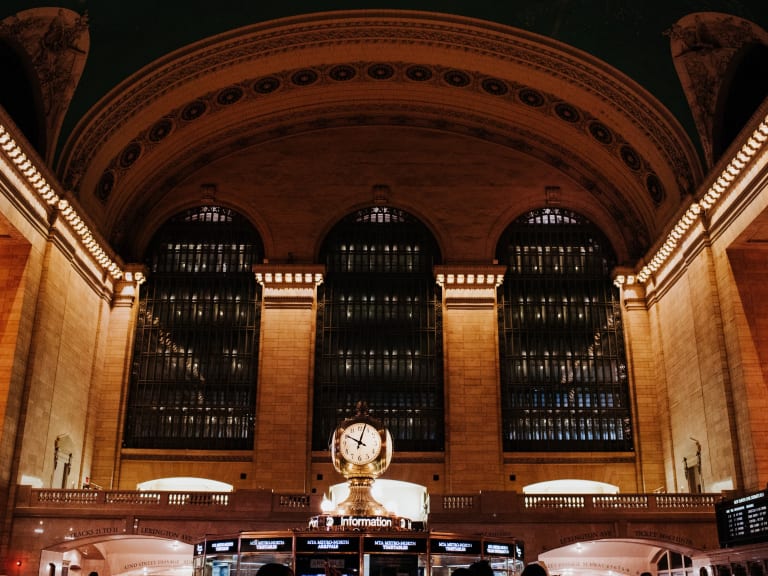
x=508, y=549
x=497, y=548
x=199, y=548
x=339, y=544
x=266, y=544
x=442, y=546
x=742, y=520
x=375, y=544
x=359, y=522
x=219, y=546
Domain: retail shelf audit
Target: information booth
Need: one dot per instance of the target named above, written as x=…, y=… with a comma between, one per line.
x=359, y=536
x=356, y=553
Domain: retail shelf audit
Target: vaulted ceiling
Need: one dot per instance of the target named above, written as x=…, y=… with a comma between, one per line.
x=257, y=102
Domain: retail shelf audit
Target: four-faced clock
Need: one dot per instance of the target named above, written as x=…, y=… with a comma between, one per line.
x=360, y=443
x=361, y=446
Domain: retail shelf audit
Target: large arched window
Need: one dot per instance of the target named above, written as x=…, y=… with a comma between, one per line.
x=563, y=365
x=379, y=333
x=193, y=378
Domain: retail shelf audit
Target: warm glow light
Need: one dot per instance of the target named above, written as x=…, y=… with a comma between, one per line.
x=407, y=499
x=570, y=486
x=736, y=166
x=185, y=484
x=35, y=179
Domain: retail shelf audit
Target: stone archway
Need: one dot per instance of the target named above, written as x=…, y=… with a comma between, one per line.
x=128, y=555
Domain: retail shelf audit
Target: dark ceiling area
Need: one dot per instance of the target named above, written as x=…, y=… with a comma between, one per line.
x=627, y=34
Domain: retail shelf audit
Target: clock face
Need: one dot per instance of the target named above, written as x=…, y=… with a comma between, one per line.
x=360, y=443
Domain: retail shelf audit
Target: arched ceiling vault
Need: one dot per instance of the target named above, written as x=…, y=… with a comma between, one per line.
x=567, y=121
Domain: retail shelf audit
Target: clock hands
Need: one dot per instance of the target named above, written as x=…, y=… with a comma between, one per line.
x=358, y=440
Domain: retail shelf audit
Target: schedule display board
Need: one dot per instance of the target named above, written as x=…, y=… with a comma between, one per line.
x=742, y=520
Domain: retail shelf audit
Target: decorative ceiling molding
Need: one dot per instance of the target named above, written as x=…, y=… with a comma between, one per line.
x=56, y=41
x=703, y=48
x=414, y=69
x=509, y=91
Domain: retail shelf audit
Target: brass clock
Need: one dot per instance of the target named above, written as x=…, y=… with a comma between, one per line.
x=360, y=443
x=361, y=446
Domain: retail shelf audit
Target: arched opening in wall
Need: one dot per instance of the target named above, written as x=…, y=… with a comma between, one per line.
x=570, y=486
x=379, y=329
x=120, y=555
x=185, y=484
x=608, y=557
x=23, y=102
x=671, y=563
x=194, y=370
x=564, y=384
x=745, y=88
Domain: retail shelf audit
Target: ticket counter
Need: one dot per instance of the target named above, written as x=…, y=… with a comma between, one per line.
x=356, y=553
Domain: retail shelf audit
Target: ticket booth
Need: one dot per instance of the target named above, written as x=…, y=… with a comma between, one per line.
x=388, y=555
x=353, y=553
x=328, y=555
x=259, y=549
x=220, y=557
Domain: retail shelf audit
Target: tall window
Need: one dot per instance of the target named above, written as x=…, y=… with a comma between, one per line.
x=563, y=366
x=193, y=379
x=379, y=333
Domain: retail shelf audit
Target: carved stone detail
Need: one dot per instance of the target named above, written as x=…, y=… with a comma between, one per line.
x=703, y=47
x=57, y=42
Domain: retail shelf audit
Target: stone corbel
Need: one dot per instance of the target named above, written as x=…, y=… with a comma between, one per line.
x=289, y=285
x=469, y=285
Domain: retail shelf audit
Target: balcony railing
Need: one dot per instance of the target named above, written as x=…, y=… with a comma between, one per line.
x=522, y=503
x=446, y=505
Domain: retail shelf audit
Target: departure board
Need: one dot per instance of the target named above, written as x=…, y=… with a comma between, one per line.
x=742, y=520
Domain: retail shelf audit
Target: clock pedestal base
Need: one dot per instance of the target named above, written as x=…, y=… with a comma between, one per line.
x=360, y=502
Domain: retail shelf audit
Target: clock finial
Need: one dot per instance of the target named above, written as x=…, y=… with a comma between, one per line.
x=362, y=408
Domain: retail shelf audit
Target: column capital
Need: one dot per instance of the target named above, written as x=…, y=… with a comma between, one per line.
x=127, y=287
x=469, y=285
x=289, y=285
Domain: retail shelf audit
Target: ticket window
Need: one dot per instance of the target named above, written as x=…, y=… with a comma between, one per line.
x=448, y=554
x=445, y=564
x=251, y=562
x=394, y=565
x=327, y=565
x=394, y=556
x=221, y=557
x=327, y=556
x=505, y=566
x=260, y=550
x=505, y=557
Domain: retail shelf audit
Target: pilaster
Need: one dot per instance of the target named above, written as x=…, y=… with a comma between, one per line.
x=648, y=393
x=282, y=444
x=474, y=454
x=112, y=390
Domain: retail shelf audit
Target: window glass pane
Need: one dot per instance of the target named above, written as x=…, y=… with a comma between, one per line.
x=379, y=333
x=563, y=366
x=193, y=377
